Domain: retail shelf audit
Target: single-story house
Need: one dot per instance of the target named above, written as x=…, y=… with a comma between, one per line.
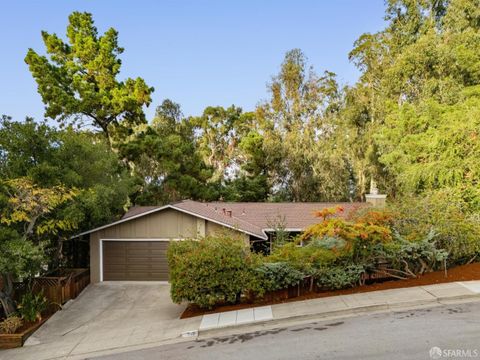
x=134, y=247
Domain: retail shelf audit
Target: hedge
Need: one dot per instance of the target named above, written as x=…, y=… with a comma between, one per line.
x=211, y=270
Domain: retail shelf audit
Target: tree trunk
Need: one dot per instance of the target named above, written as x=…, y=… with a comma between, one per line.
x=6, y=293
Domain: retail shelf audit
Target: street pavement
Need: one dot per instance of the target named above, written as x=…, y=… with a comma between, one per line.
x=117, y=317
x=447, y=331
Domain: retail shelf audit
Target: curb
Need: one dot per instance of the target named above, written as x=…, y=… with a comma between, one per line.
x=360, y=310
x=458, y=298
x=122, y=349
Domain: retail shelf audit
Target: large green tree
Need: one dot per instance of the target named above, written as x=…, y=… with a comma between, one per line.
x=431, y=146
x=299, y=125
x=26, y=218
x=218, y=133
x=78, y=81
x=71, y=158
x=251, y=181
x=424, y=59
x=166, y=158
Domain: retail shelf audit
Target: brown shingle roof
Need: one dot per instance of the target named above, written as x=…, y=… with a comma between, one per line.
x=219, y=215
x=253, y=217
x=137, y=210
x=293, y=215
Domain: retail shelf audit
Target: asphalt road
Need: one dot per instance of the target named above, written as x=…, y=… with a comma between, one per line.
x=400, y=335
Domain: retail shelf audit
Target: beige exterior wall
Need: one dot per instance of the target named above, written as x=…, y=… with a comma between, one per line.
x=214, y=228
x=165, y=224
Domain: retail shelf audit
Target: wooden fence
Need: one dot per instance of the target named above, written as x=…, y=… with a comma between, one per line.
x=58, y=287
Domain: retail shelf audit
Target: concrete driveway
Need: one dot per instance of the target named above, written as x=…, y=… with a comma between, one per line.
x=107, y=316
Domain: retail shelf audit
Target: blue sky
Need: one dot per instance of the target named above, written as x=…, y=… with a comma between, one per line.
x=197, y=53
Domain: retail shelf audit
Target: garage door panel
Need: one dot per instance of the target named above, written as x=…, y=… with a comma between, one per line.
x=145, y=266
x=116, y=253
x=159, y=267
x=116, y=267
x=139, y=260
x=109, y=259
x=135, y=260
x=114, y=256
x=138, y=252
x=153, y=267
x=139, y=244
x=116, y=277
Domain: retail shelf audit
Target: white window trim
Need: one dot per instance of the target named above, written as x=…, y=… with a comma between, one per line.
x=100, y=248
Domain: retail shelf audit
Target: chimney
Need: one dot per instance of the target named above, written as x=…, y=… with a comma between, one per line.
x=229, y=213
x=374, y=198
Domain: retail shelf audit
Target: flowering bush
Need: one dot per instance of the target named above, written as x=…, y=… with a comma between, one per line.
x=361, y=239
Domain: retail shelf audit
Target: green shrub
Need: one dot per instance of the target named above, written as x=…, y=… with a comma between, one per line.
x=339, y=277
x=212, y=270
x=10, y=325
x=279, y=275
x=447, y=214
x=305, y=258
x=32, y=306
x=414, y=257
x=327, y=242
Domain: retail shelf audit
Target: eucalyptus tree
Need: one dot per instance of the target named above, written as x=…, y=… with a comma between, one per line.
x=299, y=123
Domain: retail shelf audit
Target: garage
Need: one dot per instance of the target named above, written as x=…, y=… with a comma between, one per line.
x=134, y=260
x=134, y=248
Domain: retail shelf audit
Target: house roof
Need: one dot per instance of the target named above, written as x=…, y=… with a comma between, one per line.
x=253, y=218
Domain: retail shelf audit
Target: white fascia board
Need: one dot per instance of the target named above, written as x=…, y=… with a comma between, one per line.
x=169, y=207
x=121, y=221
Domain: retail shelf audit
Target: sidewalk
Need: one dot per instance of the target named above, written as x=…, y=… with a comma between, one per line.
x=125, y=336
x=342, y=305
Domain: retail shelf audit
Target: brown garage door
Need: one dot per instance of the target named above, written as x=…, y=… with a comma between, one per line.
x=135, y=260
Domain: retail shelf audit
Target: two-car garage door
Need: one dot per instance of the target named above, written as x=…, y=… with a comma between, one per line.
x=135, y=260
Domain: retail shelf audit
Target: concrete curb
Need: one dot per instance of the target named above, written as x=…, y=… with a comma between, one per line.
x=360, y=310
x=458, y=297
x=122, y=349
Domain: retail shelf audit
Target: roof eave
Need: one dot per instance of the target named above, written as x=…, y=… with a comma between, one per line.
x=170, y=206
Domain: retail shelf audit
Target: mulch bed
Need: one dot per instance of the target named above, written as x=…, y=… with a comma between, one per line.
x=459, y=273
